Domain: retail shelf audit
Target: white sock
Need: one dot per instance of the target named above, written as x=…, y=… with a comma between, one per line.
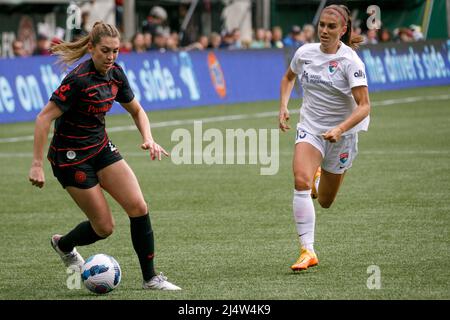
x=305, y=217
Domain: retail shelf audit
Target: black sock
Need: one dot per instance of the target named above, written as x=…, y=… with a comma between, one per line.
x=143, y=244
x=82, y=235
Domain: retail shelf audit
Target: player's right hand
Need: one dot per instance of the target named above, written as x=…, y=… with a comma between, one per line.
x=36, y=176
x=155, y=149
x=283, y=118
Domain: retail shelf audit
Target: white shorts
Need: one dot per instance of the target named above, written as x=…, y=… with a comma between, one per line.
x=337, y=156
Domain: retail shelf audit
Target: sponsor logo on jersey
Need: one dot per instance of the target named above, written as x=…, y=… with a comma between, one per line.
x=359, y=74
x=343, y=157
x=332, y=66
x=216, y=73
x=80, y=176
x=308, y=62
x=105, y=108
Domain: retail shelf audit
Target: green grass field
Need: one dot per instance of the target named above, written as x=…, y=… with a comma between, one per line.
x=227, y=232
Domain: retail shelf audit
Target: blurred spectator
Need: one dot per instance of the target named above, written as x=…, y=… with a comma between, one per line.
x=156, y=20
x=160, y=40
x=309, y=33
x=126, y=46
x=267, y=38
x=27, y=34
x=277, y=37
x=201, y=44
x=203, y=41
x=137, y=43
x=294, y=39
x=42, y=46
x=405, y=35
x=173, y=41
x=371, y=37
x=356, y=31
x=258, y=42
x=148, y=40
x=416, y=32
x=214, y=40
x=227, y=41
x=18, y=49
x=237, y=43
x=246, y=43
x=384, y=35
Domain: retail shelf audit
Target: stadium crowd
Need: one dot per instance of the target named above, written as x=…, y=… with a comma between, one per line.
x=156, y=34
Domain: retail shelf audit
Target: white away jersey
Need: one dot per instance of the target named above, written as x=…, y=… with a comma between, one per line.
x=327, y=80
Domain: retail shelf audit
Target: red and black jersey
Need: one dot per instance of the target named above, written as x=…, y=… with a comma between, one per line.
x=85, y=96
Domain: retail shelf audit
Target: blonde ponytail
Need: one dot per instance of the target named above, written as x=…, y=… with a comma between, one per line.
x=70, y=52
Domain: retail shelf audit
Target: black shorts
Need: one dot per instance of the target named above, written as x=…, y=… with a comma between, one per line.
x=84, y=175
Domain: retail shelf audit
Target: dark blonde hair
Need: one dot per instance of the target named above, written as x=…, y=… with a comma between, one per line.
x=343, y=13
x=70, y=52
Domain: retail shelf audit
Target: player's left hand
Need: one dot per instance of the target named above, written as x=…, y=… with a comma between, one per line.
x=155, y=149
x=333, y=135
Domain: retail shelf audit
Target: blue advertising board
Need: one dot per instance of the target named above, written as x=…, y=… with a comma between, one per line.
x=159, y=80
x=198, y=78
x=407, y=65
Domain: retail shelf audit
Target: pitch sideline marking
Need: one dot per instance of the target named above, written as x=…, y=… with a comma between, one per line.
x=165, y=124
x=365, y=152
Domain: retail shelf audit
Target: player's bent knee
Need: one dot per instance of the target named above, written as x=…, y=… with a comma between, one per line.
x=137, y=209
x=105, y=230
x=302, y=183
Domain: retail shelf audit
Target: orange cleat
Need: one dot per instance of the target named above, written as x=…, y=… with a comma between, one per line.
x=314, y=191
x=307, y=259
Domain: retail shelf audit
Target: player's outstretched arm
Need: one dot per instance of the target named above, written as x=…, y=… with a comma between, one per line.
x=42, y=127
x=143, y=124
x=287, y=84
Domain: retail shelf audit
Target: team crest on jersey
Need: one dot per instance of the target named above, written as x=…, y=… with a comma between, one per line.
x=343, y=157
x=114, y=89
x=80, y=176
x=332, y=66
x=71, y=155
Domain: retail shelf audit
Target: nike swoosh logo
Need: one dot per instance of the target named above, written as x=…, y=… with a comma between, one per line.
x=92, y=94
x=307, y=62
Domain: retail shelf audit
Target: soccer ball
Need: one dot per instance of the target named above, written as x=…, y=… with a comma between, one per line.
x=101, y=273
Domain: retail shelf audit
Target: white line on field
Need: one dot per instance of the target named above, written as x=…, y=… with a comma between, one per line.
x=173, y=123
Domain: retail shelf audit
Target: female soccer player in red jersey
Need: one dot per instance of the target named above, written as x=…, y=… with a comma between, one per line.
x=83, y=158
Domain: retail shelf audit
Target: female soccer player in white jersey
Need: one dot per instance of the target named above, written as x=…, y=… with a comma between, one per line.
x=335, y=107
